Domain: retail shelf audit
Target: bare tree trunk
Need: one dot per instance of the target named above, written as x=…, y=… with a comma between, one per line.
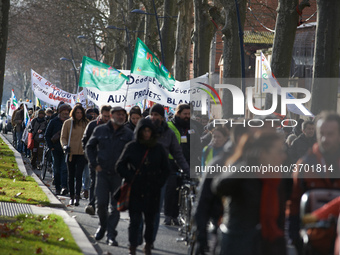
x=132, y=24
x=285, y=29
x=203, y=34
x=183, y=41
x=168, y=32
x=326, y=57
x=151, y=38
x=4, y=11
x=231, y=51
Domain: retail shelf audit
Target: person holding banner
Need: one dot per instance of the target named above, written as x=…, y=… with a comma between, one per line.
x=70, y=139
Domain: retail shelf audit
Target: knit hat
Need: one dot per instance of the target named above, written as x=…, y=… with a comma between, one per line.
x=96, y=111
x=49, y=110
x=157, y=108
x=41, y=111
x=64, y=107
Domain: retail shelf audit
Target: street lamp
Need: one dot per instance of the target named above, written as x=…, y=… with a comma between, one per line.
x=94, y=44
x=240, y=33
x=74, y=67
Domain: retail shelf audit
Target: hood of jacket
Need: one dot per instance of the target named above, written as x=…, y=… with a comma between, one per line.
x=142, y=124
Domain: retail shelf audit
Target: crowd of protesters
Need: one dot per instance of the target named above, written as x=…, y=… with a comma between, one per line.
x=95, y=151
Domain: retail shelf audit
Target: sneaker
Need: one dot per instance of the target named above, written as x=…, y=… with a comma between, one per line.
x=90, y=210
x=57, y=192
x=175, y=222
x=86, y=194
x=167, y=221
x=112, y=242
x=64, y=191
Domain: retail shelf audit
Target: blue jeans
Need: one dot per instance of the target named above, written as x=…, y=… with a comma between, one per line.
x=86, y=177
x=19, y=142
x=60, y=169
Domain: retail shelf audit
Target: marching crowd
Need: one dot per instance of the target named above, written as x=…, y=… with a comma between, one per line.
x=96, y=151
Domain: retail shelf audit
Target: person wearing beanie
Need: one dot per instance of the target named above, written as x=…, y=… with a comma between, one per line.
x=134, y=115
x=146, y=112
x=37, y=128
x=95, y=113
x=103, y=118
x=169, y=140
x=187, y=134
x=89, y=114
x=52, y=138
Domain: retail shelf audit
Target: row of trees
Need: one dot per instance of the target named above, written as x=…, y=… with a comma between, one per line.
x=43, y=31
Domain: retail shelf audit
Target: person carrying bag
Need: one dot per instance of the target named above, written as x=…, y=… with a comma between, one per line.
x=144, y=166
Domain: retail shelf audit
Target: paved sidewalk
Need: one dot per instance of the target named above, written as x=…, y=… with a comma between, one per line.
x=56, y=207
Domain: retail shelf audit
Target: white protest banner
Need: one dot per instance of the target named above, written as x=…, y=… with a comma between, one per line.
x=141, y=87
x=49, y=93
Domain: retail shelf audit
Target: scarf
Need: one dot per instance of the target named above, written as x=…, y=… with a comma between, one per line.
x=269, y=211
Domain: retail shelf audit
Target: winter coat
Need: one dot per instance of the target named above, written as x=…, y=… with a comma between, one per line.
x=53, y=127
x=147, y=184
x=76, y=136
x=300, y=147
x=192, y=148
x=170, y=143
x=105, y=146
x=18, y=120
x=243, y=218
x=89, y=130
x=35, y=125
x=304, y=181
x=130, y=125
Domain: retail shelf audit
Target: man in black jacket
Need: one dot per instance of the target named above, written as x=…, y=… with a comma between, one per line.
x=103, y=118
x=303, y=143
x=52, y=138
x=103, y=150
x=169, y=140
x=189, y=139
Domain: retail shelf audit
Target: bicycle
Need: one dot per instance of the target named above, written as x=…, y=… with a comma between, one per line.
x=46, y=162
x=187, y=196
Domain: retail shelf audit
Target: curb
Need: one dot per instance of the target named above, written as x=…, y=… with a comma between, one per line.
x=56, y=207
x=54, y=202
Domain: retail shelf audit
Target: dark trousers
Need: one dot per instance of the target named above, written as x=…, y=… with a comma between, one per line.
x=37, y=152
x=92, y=197
x=158, y=215
x=136, y=220
x=106, y=185
x=19, y=142
x=59, y=169
x=171, y=207
x=75, y=171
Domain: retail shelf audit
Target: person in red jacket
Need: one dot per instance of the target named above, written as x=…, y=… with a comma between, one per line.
x=325, y=154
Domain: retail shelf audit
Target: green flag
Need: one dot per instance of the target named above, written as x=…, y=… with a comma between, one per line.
x=146, y=63
x=101, y=76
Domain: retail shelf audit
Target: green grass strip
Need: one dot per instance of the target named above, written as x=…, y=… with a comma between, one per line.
x=14, y=186
x=34, y=234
